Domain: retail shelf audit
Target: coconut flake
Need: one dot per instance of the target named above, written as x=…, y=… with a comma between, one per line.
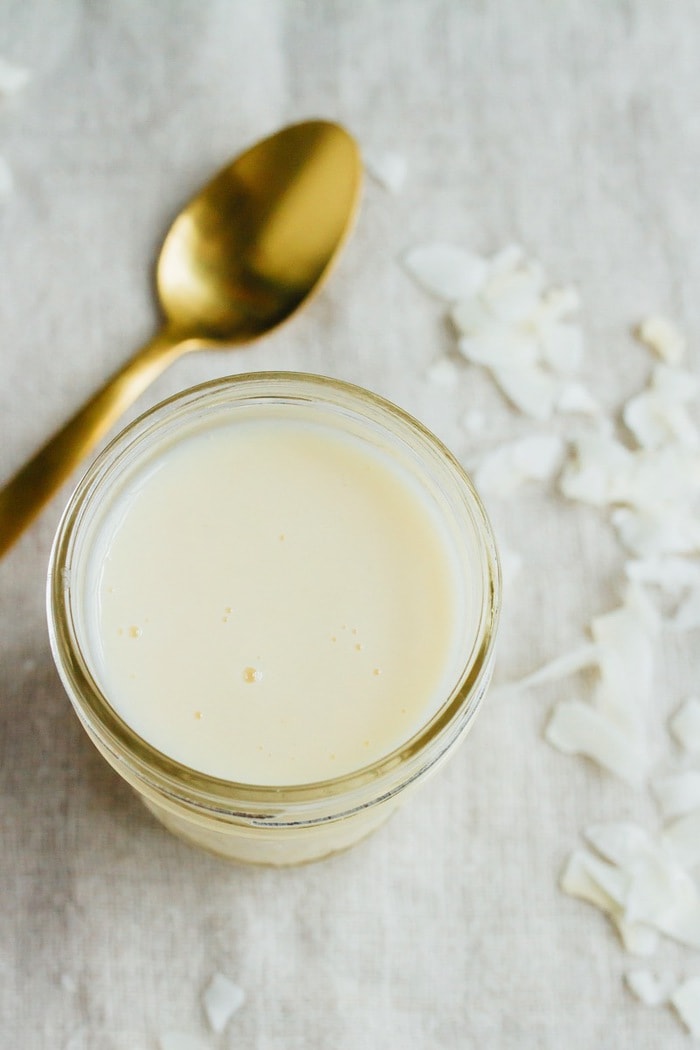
x=682, y=838
x=650, y=988
x=535, y=458
x=530, y=388
x=659, y=531
x=496, y=347
x=578, y=729
x=387, y=168
x=443, y=372
x=687, y=615
x=677, y=793
x=657, y=420
x=562, y=346
x=446, y=271
x=672, y=575
x=513, y=296
x=686, y=1002
x=575, y=398
x=221, y=999
x=685, y=724
x=621, y=842
x=662, y=336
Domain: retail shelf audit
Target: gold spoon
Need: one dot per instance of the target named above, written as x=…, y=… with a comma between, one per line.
x=241, y=257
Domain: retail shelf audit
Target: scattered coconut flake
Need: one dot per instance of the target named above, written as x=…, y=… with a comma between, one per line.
x=595, y=462
x=650, y=988
x=687, y=615
x=621, y=842
x=387, y=168
x=677, y=793
x=637, y=939
x=530, y=388
x=682, y=838
x=599, y=883
x=446, y=271
x=535, y=458
x=585, y=877
x=221, y=999
x=578, y=729
x=675, y=384
x=624, y=638
x=662, y=336
x=443, y=372
x=12, y=78
x=574, y=398
x=686, y=1001
x=181, y=1041
x=561, y=667
x=562, y=346
x=654, y=532
x=496, y=347
x=685, y=724
x=506, y=260
x=513, y=296
x=672, y=575
x=656, y=420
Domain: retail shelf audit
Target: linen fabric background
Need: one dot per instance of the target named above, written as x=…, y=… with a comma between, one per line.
x=571, y=128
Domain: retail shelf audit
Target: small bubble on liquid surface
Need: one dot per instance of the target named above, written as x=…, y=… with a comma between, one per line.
x=376, y=671
x=251, y=674
x=198, y=715
x=135, y=632
x=359, y=647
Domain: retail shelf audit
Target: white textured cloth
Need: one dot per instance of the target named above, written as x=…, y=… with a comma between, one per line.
x=571, y=128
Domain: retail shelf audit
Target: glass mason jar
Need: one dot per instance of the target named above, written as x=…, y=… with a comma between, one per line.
x=264, y=823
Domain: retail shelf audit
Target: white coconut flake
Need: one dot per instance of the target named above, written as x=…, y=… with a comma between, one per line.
x=593, y=467
x=662, y=336
x=685, y=724
x=621, y=842
x=506, y=260
x=624, y=638
x=687, y=615
x=562, y=347
x=387, y=168
x=221, y=999
x=682, y=838
x=574, y=398
x=12, y=78
x=443, y=372
x=530, y=388
x=675, y=384
x=599, y=883
x=656, y=532
x=448, y=272
x=677, y=793
x=637, y=939
x=534, y=458
x=577, y=728
x=686, y=1001
x=513, y=296
x=497, y=347
x=561, y=667
x=672, y=575
x=652, y=989
x=656, y=420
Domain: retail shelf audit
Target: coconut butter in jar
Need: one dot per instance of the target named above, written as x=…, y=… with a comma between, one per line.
x=273, y=602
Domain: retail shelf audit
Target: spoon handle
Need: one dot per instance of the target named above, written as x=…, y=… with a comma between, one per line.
x=32, y=486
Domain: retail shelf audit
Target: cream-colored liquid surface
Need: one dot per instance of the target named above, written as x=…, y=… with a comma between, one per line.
x=274, y=602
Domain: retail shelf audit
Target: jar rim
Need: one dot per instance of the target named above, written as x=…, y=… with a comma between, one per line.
x=267, y=804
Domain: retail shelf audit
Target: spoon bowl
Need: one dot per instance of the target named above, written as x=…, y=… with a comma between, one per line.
x=246, y=252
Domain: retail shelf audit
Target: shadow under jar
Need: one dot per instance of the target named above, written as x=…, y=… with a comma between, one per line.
x=273, y=601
